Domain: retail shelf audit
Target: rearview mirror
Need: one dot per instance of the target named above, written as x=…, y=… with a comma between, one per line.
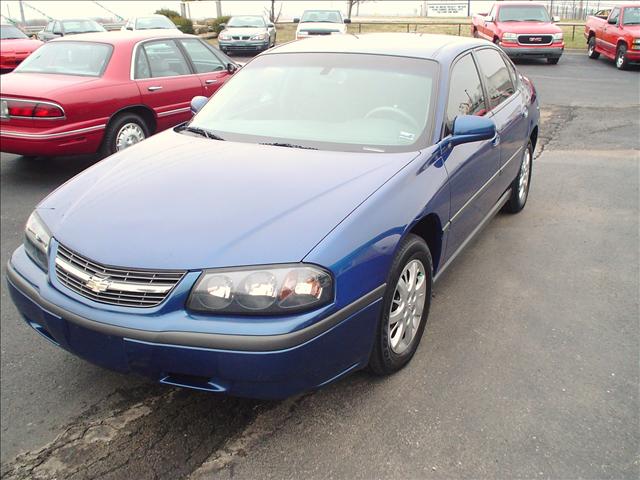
x=555, y=19
x=296, y=20
x=488, y=19
x=197, y=103
x=471, y=128
x=347, y=20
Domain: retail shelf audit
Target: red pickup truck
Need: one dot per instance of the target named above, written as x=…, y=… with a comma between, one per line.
x=616, y=35
x=522, y=29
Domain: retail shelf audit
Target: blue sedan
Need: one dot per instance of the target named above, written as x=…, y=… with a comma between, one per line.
x=291, y=232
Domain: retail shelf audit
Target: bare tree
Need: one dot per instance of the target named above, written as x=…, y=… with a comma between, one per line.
x=271, y=12
x=351, y=4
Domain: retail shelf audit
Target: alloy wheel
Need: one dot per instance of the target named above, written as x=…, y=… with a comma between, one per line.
x=407, y=306
x=129, y=134
x=523, y=179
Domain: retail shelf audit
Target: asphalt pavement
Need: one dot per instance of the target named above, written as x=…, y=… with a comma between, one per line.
x=528, y=367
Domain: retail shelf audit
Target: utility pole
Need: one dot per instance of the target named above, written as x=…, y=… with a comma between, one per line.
x=219, y=8
x=468, y=8
x=21, y=12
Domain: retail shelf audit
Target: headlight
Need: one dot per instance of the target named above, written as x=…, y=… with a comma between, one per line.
x=224, y=36
x=36, y=241
x=259, y=36
x=558, y=36
x=509, y=36
x=278, y=289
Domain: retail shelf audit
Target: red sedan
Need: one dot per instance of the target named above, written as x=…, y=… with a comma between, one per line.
x=15, y=46
x=102, y=92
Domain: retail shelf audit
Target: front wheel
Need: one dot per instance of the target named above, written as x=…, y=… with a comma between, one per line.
x=123, y=131
x=405, y=307
x=520, y=186
x=621, y=57
x=591, y=52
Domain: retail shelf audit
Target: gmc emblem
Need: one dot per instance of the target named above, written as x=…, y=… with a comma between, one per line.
x=535, y=39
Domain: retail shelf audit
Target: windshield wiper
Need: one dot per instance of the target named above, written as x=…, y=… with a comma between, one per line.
x=288, y=145
x=203, y=133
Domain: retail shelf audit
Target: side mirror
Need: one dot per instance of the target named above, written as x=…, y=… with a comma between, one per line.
x=296, y=20
x=57, y=34
x=555, y=19
x=130, y=28
x=347, y=20
x=488, y=19
x=612, y=21
x=231, y=68
x=222, y=25
x=197, y=103
x=471, y=128
x=270, y=25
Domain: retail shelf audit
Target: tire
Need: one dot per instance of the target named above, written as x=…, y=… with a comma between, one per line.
x=621, y=57
x=392, y=349
x=553, y=60
x=116, y=127
x=522, y=182
x=475, y=33
x=591, y=51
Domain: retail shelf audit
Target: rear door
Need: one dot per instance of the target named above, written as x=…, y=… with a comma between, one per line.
x=166, y=81
x=472, y=167
x=209, y=67
x=508, y=110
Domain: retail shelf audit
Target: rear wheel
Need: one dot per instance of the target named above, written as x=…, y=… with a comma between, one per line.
x=520, y=186
x=123, y=131
x=553, y=60
x=405, y=307
x=621, y=57
x=475, y=33
x=591, y=52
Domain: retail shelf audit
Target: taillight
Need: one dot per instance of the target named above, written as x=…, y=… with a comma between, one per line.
x=17, y=108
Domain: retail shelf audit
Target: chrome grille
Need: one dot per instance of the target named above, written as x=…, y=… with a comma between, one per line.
x=114, y=286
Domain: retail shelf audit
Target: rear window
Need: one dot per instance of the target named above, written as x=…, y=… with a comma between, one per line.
x=68, y=58
x=81, y=26
x=150, y=23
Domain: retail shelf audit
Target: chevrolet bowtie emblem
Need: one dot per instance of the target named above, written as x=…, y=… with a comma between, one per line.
x=97, y=284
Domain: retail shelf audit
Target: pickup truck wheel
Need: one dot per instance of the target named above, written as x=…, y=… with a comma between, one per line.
x=405, y=307
x=553, y=60
x=521, y=184
x=592, y=49
x=621, y=57
x=475, y=33
x=123, y=131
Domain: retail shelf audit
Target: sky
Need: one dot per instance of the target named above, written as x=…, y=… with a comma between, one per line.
x=207, y=8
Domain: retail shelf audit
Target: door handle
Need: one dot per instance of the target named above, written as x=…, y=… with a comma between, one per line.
x=210, y=81
x=525, y=112
x=153, y=89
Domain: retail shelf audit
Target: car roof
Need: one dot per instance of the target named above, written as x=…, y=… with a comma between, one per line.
x=124, y=38
x=415, y=45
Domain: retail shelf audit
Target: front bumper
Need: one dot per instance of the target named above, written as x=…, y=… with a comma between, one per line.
x=633, y=55
x=243, y=45
x=532, y=52
x=258, y=366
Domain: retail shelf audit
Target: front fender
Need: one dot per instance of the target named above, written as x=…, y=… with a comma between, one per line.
x=359, y=251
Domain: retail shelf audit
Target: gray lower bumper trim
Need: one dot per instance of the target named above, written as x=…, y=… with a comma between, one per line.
x=533, y=52
x=249, y=343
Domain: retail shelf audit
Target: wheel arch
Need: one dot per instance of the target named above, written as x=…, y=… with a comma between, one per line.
x=147, y=114
x=533, y=137
x=429, y=228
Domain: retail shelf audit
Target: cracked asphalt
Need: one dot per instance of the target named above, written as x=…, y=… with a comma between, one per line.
x=529, y=367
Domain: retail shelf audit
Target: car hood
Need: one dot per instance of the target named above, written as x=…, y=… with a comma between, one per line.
x=530, y=27
x=312, y=26
x=19, y=45
x=181, y=202
x=41, y=85
x=244, y=31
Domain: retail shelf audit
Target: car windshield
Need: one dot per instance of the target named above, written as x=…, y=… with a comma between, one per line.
x=9, y=32
x=68, y=58
x=149, y=23
x=523, y=13
x=631, y=16
x=322, y=16
x=327, y=101
x=246, y=22
x=81, y=26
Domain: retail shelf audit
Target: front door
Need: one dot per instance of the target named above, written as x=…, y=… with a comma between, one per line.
x=166, y=81
x=209, y=67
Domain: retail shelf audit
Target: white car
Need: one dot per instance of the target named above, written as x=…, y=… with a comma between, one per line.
x=320, y=22
x=151, y=22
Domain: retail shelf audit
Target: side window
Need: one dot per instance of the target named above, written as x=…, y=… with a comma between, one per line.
x=499, y=84
x=203, y=59
x=466, y=96
x=165, y=59
x=515, y=78
x=49, y=27
x=142, y=69
x=615, y=16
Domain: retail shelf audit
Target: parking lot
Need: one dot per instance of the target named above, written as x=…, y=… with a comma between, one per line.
x=528, y=367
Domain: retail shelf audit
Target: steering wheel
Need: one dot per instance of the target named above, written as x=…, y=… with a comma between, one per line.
x=395, y=111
